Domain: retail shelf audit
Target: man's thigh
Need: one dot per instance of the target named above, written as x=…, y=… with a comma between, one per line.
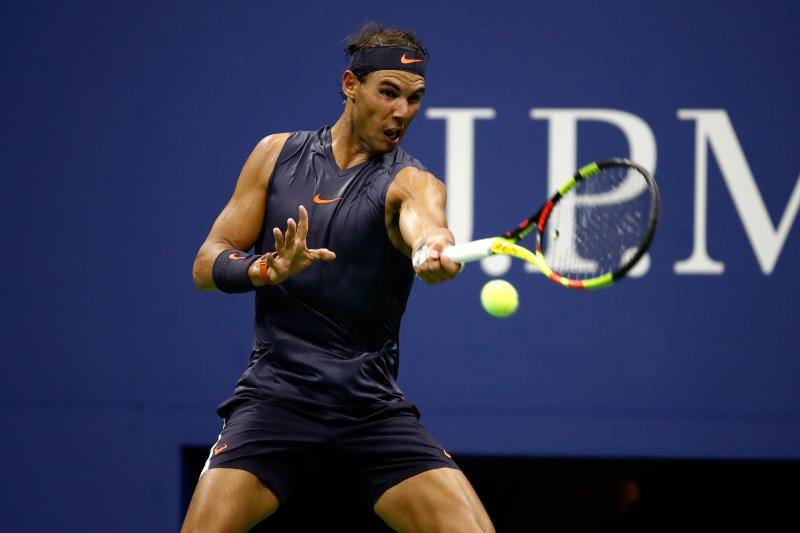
x=434, y=501
x=268, y=441
x=252, y=467
x=405, y=475
x=381, y=452
x=228, y=499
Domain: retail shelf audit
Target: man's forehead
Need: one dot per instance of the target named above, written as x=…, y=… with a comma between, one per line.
x=399, y=77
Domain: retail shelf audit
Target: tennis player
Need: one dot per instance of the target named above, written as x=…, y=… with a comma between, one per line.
x=320, y=388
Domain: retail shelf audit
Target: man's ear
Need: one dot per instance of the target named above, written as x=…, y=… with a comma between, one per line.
x=350, y=85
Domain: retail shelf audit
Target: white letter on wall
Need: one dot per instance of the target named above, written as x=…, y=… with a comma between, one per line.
x=562, y=155
x=714, y=128
x=459, y=168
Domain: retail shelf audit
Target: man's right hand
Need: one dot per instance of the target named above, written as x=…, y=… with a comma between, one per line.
x=293, y=256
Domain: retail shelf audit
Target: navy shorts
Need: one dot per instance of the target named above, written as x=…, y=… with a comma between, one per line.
x=283, y=447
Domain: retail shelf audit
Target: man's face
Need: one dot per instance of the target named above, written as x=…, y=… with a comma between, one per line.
x=384, y=106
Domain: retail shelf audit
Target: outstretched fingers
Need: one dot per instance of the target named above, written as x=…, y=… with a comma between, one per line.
x=291, y=231
x=302, y=227
x=322, y=254
x=294, y=255
x=279, y=242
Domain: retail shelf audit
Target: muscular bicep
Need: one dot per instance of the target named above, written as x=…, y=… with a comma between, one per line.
x=240, y=221
x=419, y=200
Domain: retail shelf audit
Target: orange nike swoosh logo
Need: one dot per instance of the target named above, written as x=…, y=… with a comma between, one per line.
x=406, y=61
x=234, y=256
x=219, y=450
x=318, y=200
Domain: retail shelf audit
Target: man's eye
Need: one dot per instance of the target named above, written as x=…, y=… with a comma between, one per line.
x=388, y=93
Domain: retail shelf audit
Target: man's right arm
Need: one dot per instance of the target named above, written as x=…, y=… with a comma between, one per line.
x=238, y=225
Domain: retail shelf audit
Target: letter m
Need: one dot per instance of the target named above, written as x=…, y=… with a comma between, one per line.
x=713, y=128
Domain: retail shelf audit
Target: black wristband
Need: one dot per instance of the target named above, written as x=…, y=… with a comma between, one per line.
x=230, y=271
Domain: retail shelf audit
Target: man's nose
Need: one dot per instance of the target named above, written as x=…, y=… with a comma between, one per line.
x=401, y=109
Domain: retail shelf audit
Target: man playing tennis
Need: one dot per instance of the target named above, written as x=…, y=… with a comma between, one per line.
x=330, y=292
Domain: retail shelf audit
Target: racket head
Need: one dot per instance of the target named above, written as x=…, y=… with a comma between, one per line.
x=598, y=225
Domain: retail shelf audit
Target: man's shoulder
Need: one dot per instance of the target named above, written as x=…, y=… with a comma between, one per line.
x=292, y=143
x=306, y=135
x=399, y=159
x=408, y=181
x=278, y=140
x=265, y=153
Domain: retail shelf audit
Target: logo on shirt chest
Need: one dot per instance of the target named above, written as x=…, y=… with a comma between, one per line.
x=319, y=200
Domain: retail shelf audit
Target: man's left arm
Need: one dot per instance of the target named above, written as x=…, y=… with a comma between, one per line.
x=418, y=199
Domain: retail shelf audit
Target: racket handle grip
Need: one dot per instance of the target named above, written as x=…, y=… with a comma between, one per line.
x=469, y=251
x=460, y=253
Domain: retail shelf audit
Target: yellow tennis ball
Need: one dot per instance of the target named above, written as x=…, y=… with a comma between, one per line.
x=499, y=298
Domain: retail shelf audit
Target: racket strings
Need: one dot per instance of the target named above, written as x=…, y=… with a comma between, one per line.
x=599, y=225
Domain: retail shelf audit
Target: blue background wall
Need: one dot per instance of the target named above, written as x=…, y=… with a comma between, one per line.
x=125, y=126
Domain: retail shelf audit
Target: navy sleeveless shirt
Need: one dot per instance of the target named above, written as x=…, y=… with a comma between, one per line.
x=327, y=340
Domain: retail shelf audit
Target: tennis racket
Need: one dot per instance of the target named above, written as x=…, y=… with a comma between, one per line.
x=589, y=234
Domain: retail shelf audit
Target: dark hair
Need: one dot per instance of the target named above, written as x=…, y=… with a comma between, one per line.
x=373, y=34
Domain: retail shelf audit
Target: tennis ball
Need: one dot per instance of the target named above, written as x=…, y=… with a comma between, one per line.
x=499, y=298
